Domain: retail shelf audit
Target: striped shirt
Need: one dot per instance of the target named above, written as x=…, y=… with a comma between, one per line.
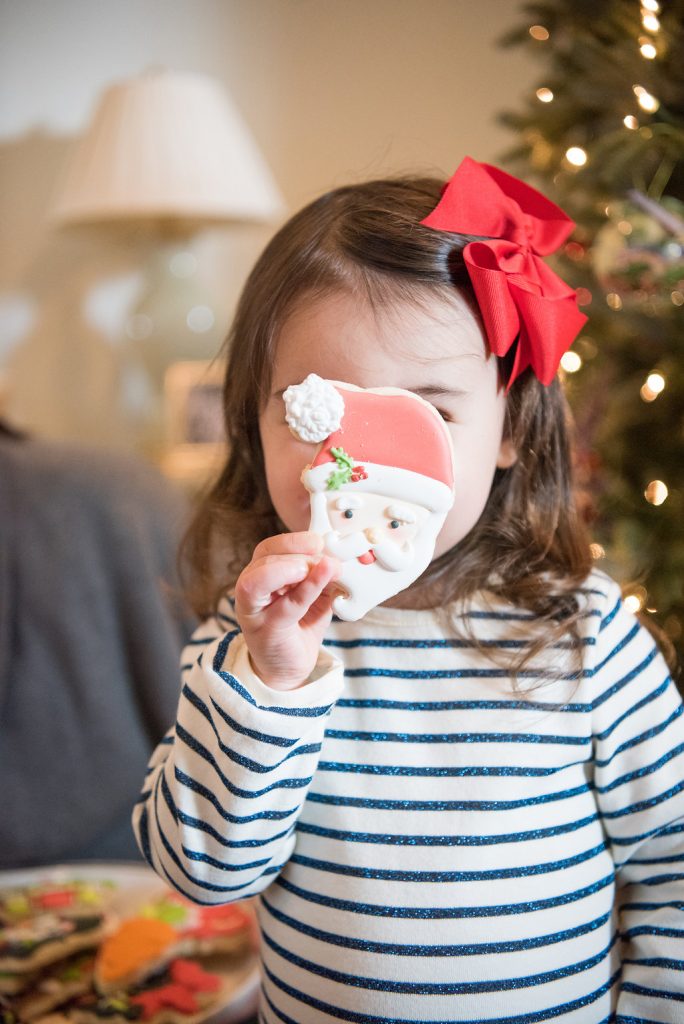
x=427, y=842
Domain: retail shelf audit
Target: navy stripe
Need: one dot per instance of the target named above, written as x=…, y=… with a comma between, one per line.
x=535, y=1017
x=300, y=712
x=390, y=839
x=241, y=759
x=641, y=773
x=450, y=644
x=245, y=794
x=234, y=819
x=459, y=771
x=455, y=737
x=652, y=993
x=202, y=826
x=402, y=949
x=641, y=737
x=633, y=708
x=463, y=705
x=456, y=673
x=493, y=874
x=657, y=961
x=642, y=805
x=367, y=803
x=606, y=621
x=437, y=988
x=446, y=913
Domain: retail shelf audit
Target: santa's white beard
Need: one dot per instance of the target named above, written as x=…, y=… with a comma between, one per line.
x=395, y=568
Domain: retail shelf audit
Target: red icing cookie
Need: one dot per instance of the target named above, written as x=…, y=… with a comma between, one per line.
x=381, y=483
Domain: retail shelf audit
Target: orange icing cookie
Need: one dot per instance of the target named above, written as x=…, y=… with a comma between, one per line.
x=139, y=942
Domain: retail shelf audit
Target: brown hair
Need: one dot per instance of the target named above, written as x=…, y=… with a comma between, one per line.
x=529, y=547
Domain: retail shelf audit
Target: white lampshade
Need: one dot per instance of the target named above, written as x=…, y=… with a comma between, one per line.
x=167, y=145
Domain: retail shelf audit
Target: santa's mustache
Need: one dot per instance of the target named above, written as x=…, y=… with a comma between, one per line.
x=389, y=555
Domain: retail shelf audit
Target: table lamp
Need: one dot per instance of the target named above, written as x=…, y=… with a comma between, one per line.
x=167, y=153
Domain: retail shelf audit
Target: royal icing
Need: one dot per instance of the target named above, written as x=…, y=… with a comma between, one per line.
x=381, y=484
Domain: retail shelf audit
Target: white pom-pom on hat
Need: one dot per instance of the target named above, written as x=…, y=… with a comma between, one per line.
x=313, y=409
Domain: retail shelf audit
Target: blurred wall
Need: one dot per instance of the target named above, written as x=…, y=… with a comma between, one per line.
x=332, y=90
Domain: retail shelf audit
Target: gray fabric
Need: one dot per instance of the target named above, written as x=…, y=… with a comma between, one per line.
x=90, y=636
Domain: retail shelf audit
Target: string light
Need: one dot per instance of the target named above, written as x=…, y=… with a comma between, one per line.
x=630, y=122
x=539, y=33
x=647, y=49
x=624, y=227
x=614, y=301
x=544, y=95
x=635, y=602
x=597, y=551
x=650, y=22
x=653, y=386
x=571, y=362
x=656, y=492
x=650, y=5
x=677, y=298
x=645, y=100
x=576, y=156
x=656, y=382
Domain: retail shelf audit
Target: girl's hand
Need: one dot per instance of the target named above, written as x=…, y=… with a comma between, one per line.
x=283, y=607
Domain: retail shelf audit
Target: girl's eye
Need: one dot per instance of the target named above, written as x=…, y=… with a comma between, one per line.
x=445, y=415
x=348, y=514
x=394, y=524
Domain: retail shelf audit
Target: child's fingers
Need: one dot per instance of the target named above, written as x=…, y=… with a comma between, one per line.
x=257, y=585
x=298, y=601
x=303, y=543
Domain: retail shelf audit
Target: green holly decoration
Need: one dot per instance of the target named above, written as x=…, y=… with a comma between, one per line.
x=343, y=473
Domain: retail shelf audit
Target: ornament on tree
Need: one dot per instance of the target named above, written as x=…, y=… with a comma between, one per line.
x=639, y=253
x=381, y=483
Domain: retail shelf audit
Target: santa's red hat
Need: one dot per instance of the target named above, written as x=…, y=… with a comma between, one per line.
x=383, y=440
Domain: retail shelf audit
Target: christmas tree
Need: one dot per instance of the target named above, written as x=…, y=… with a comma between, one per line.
x=602, y=134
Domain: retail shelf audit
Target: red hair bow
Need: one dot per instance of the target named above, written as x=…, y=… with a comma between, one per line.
x=518, y=294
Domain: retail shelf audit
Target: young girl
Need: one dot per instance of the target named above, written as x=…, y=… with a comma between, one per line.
x=468, y=805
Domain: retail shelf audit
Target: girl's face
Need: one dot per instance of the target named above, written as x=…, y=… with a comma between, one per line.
x=440, y=355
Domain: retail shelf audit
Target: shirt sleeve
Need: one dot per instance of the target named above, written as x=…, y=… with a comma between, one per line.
x=638, y=731
x=218, y=812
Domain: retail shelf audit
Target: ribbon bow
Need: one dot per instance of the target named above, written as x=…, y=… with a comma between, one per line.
x=518, y=294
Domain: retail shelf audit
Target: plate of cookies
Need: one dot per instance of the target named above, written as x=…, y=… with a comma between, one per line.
x=112, y=944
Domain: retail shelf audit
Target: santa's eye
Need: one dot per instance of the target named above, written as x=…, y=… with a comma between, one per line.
x=394, y=524
x=348, y=514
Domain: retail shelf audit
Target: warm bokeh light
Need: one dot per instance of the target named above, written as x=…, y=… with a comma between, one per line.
x=650, y=5
x=656, y=492
x=648, y=51
x=650, y=22
x=576, y=156
x=597, y=551
x=539, y=32
x=630, y=121
x=656, y=382
x=545, y=95
x=614, y=300
x=571, y=362
x=633, y=603
x=645, y=100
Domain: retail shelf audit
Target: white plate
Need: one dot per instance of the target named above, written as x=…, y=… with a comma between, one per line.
x=136, y=883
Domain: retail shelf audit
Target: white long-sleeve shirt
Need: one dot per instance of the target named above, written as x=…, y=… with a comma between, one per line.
x=427, y=843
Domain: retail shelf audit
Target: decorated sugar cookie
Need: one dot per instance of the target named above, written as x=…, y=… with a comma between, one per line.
x=42, y=940
x=381, y=483
x=56, y=985
x=182, y=993
x=166, y=929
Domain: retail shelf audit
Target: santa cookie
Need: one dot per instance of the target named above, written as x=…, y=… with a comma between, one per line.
x=381, y=483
